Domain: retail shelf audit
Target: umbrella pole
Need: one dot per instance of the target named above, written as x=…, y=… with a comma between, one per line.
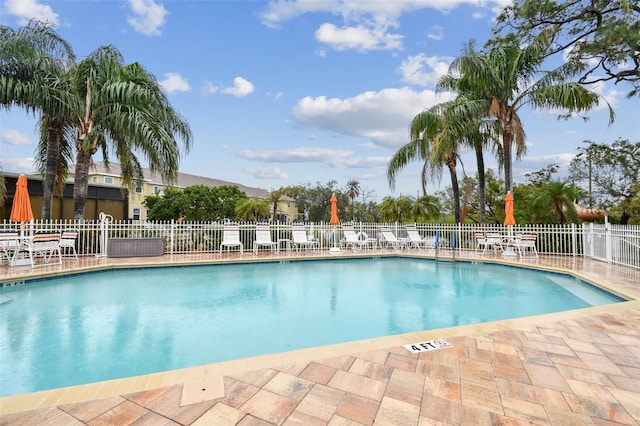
x=335, y=248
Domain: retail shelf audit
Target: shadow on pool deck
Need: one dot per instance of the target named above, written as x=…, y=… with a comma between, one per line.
x=571, y=368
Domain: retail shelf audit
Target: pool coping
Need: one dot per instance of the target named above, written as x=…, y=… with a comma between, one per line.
x=50, y=398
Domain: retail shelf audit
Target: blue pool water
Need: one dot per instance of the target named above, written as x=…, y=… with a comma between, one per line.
x=100, y=326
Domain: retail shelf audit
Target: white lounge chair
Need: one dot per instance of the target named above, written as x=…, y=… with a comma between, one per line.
x=231, y=238
x=416, y=241
x=263, y=238
x=356, y=241
x=300, y=240
x=388, y=239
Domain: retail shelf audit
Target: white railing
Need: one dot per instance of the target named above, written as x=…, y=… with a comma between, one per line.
x=610, y=243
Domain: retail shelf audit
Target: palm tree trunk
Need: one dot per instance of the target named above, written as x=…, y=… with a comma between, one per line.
x=51, y=167
x=507, y=143
x=81, y=183
x=455, y=188
x=481, y=183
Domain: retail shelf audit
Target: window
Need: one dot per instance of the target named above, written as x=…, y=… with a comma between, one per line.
x=136, y=214
x=158, y=190
x=108, y=179
x=94, y=179
x=138, y=188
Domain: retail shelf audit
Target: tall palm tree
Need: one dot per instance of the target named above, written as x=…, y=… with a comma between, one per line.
x=34, y=64
x=353, y=190
x=508, y=77
x=429, y=130
x=275, y=198
x=124, y=109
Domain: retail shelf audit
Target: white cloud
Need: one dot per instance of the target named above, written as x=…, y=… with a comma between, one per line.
x=174, y=82
x=13, y=137
x=414, y=69
x=19, y=165
x=25, y=10
x=338, y=158
x=436, y=33
x=241, y=88
x=148, y=16
x=267, y=173
x=382, y=117
x=357, y=38
x=365, y=24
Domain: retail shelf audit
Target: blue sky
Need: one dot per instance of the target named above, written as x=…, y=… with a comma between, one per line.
x=282, y=93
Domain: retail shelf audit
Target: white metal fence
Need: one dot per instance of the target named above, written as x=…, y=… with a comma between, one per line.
x=610, y=243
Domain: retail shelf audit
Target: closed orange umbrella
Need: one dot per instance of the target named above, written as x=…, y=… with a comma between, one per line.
x=508, y=210
x=334, y=210
x=21, y=208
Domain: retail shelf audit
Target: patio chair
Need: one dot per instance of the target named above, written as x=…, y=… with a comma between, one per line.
x=388, y=239
x=263, y=238
x=44, y=245
x=300, y=239
x=9, y=243
x=231, y=238
x=68, y=243
x=526, y=244
x=491, y=240
x=356, y=241
x=416, y=241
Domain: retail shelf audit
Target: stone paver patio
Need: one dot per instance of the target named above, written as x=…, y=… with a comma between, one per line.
x=573, y=368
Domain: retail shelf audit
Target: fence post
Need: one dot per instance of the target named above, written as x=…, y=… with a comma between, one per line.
x=171, y=239
x=607, y=234
x=574, y=240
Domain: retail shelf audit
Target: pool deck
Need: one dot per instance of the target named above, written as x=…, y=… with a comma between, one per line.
x=579, y=367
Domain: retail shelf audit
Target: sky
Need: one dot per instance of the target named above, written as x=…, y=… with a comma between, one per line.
x=292, y=92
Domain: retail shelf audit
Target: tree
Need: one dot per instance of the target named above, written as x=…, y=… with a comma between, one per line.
x=124, y=109
x=34, y=62
x=600, y=38
x=353, y=190
x=429, y=129
x=611, y=174
x=252, y=209
x=396, y=209
x=501, y=81
x=196, y=203
x=558, y=197
x=425, y=208
x=275, y=198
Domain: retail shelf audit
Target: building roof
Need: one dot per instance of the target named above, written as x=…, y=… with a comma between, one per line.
x=184, y=180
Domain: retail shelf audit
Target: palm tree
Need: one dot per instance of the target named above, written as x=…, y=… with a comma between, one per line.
x=425, y=208
x=503, y=80
x=429, y=130
x=353, y=190
x=125, y=107
x=275, y=198
x=395, y=209
x=34, y=62
x=561, y=197
x=252, y=209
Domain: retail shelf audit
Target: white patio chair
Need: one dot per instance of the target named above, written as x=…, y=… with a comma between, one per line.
x=300, y=239
x=231, y=238
x=389, y=239
x=43, y=245
x=490, y=240
x=68, y=243
x=263, y=238
x=416, y=241
x=9, y=243
x=356, y=241
x=526, y=244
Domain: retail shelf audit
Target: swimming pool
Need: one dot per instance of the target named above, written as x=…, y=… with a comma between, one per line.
x=99, y=326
